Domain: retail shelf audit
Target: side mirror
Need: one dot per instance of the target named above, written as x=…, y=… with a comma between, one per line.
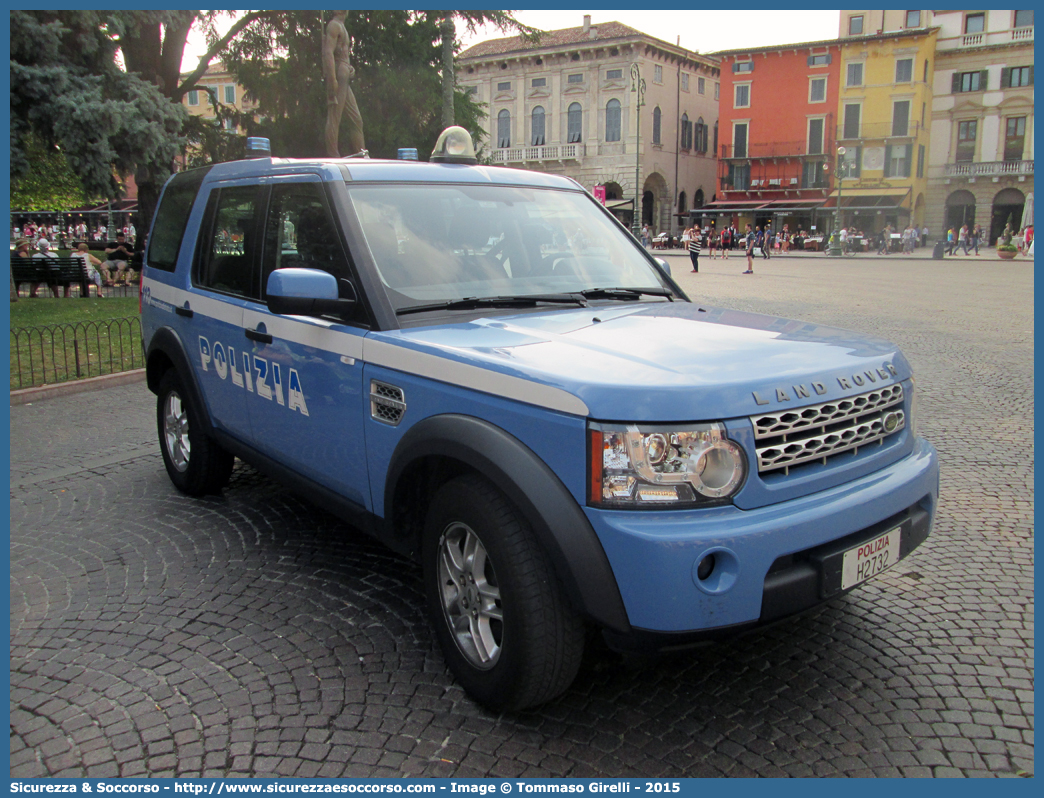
x=664, y=265
x=307, y=292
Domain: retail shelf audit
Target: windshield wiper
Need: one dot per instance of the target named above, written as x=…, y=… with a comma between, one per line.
x=521, y=301
x=625, y=293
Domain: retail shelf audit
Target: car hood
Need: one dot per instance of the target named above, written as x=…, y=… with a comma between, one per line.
x=665, y=361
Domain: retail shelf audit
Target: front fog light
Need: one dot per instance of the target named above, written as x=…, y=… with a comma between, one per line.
x=646, y=467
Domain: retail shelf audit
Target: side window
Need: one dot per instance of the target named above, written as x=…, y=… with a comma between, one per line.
x=300, y=233
x=228, y=256
x=172, y=218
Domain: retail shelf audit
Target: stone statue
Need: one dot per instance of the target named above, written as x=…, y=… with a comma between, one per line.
x=337, y=71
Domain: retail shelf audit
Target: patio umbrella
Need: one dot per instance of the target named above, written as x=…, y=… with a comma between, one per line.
x=1027, y=212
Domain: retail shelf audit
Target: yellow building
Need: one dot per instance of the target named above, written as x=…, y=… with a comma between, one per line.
x=884, y=118
x=219, y=80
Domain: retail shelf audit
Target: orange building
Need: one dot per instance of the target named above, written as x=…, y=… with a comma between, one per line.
x=776, y=135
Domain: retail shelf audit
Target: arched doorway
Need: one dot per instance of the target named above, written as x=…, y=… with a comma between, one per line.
x=960, y=210
x=613, y=191
x=648, y=206
x=1009, y=202
x=657, y=203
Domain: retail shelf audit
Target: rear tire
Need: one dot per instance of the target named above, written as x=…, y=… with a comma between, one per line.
x=195, y=463
x=505, y=629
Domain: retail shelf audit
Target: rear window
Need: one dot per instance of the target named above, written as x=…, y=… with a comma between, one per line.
x=172, y=218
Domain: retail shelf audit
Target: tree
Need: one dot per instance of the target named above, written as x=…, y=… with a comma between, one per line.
x=396, y=83
x=51, y=184
x=503, y=20
x=68, y=90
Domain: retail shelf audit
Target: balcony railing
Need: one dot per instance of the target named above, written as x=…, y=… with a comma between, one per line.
x=775, y=149
x=989, y=169
x=879, y=131
x=988, y=38
x=550, y=152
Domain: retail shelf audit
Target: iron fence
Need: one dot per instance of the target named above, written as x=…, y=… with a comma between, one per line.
x=53, y=353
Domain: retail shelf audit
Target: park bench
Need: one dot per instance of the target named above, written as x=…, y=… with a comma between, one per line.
x=53, y=271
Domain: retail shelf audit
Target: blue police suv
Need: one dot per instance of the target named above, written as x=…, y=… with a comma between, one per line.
x=482, y=368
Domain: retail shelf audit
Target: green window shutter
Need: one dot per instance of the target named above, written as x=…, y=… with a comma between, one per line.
x=888, y=161
x=983, y=78
x=1005, y=77
x=955, y=84
x=1031, y=76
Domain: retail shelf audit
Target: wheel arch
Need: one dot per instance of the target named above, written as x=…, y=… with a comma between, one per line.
x=441, y=447
x=166, y=351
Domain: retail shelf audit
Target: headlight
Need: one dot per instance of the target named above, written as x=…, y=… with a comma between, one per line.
x=655, y=466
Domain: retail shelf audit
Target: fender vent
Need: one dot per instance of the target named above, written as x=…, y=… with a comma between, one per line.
x=387, y=403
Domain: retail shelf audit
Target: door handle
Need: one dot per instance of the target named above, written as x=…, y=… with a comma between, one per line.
x=260, y=337
x=183, y=312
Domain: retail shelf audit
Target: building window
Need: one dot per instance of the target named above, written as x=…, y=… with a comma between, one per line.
x=657, y=74
x=612, y=120
x=701, y=86
x=193, y=97
x=742, y=99
x=471, y=90
x=230, y=125
x=1024, y=19
x=975, y=23
x=815, y=136
x=574, y=123
x=823, y=59
x=904, y=70
x=739, y=177
x=920, y=160
x=685, y=81
x=537, y=83
x=897, y=160
x=717, y=91
x=913, y=19
x=614, y=74
x=504, y=129
x=1014, y=138
x=701, y=136
x=715, y=136
x=578, y=78
x=855, y=75
x=538, y=138
x=969, y=81
x=901, y=118
x=1016, y=76
x=230, y=95
x=813, y=175
x=853, y=112
x=743, y=66
x=855, y=25
x=966, y=134
x=686, y=132
x=656, y=125
x=739, y=140
x=817, y=90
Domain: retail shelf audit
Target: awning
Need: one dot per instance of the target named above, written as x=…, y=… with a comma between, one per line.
x=738, y=206
x=619, y=205
x=870, y=199
x=792, y=206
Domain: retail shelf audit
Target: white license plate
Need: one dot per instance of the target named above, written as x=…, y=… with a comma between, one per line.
x=869, y=559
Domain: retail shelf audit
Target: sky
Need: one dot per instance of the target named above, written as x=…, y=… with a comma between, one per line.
x=703, y=31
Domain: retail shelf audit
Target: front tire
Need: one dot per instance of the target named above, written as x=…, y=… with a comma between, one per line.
x=195, y=463
x=505, y=629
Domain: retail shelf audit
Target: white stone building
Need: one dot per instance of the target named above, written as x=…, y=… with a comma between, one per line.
x=565, y=105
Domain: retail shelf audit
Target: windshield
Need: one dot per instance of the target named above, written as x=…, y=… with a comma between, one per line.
x=439, y=243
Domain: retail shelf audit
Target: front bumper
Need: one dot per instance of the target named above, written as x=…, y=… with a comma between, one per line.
x=770, y=562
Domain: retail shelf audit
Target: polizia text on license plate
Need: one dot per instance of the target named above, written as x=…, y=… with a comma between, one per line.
x=869, y=559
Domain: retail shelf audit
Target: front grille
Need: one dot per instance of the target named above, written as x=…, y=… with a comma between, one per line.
x=387, y=403
x=818, y=432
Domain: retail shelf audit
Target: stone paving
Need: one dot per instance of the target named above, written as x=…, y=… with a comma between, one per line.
x=254, y=635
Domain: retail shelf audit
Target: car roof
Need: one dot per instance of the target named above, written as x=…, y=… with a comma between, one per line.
x=389, y=171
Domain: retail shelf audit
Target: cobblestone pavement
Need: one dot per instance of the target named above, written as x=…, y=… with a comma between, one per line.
x=253, y=635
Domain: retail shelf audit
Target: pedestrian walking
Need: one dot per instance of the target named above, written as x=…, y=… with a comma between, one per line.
x=976, y=237
x=726, y=242
x=712, y=241
x=750, y=243
x=694, y=248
